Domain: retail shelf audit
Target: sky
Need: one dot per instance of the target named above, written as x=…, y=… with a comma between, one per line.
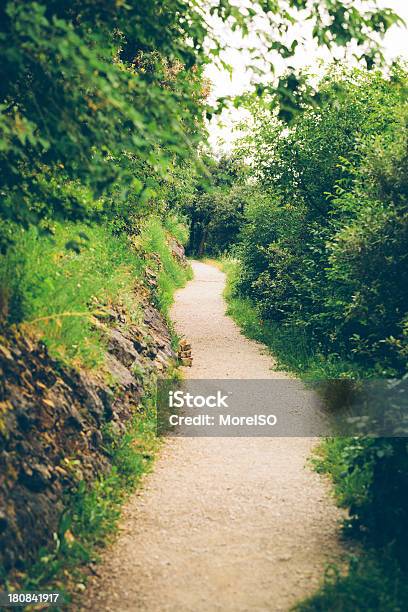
x=222, y=133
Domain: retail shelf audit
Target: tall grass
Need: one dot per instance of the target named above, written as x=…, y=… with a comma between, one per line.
x=177, y=227
x=170, y=274
x=56, y=290
x=372, y=584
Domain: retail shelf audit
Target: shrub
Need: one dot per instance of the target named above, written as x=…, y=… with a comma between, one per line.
x=323, y=248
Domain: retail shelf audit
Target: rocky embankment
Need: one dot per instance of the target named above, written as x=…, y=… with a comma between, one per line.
x=52, y=418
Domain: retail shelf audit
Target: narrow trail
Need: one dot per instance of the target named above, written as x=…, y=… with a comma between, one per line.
x=230, y=524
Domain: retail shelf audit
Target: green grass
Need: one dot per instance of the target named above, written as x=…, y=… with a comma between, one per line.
x=177, y=228
x=55, y=290
x=171, y=275
x=333, y=457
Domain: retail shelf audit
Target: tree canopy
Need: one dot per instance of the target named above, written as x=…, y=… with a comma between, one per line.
x=95, y=93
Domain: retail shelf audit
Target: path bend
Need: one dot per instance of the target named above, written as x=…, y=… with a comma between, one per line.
x=222, y=524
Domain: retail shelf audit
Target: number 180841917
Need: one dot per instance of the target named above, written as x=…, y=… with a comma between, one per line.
x=25, y=598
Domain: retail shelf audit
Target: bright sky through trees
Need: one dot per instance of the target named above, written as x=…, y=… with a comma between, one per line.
x=221, y=130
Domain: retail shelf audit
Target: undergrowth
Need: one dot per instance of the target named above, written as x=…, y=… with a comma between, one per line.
x=289, y=345
x=170, y=274
x=56, y=290
x=367, y=476
x=372, y=584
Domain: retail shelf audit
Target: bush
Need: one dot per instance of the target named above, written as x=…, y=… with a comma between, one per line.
x=323, y=247
x=323, y=280
x=216, y=209
x=370, y=478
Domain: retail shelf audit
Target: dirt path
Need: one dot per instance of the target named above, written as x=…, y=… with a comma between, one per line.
x=229, y=524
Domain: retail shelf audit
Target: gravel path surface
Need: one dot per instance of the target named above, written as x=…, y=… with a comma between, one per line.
x=229, y=524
